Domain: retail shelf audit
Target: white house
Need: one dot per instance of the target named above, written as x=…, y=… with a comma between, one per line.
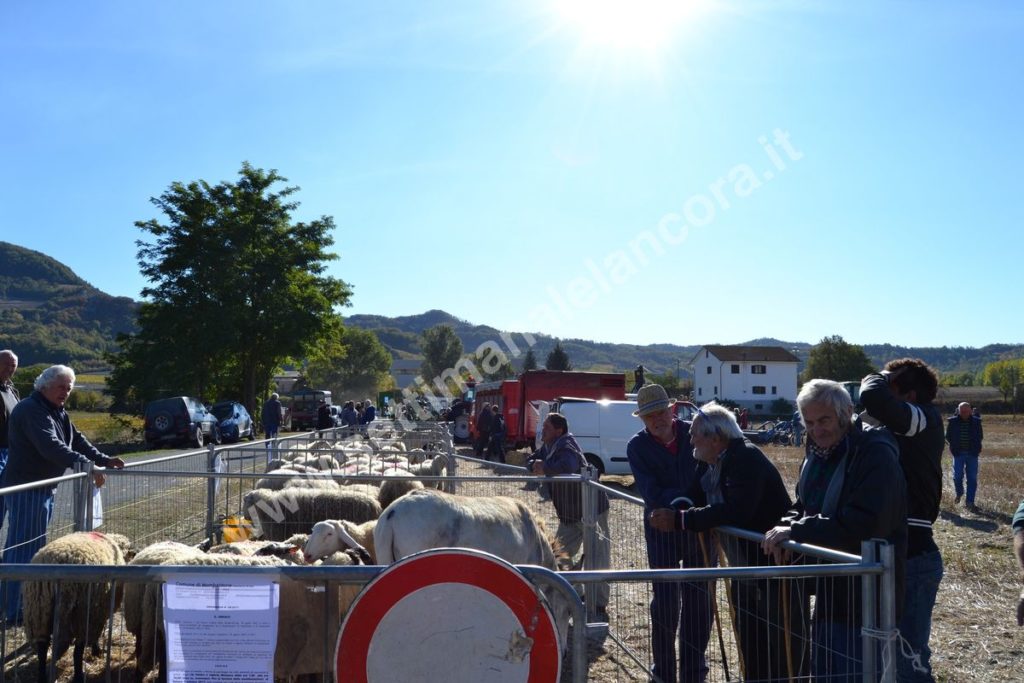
x=752, y=376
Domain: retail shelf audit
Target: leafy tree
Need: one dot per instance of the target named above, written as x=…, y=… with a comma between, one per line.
x=781, y=406
x=1005, y=375
x=492, y=365
x=351, y=363
x=558, y=359
x=235, y=289
x=669, y=380
x=442, y=350
x=834, y=358
x=529, y=360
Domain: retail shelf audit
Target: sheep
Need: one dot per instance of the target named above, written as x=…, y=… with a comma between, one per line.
x=434, y=468
x=417, y=456
x=71, y=612
x=332, y=536
x=295, y=510
x=395, y=485
x=317, y=462
x=298, y=480
x=164, y=552
x=506, y=527
x=307, y=625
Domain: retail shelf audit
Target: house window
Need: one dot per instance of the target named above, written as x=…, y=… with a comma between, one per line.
x=758, y=369
x=775, y=390
x=700, y=391
x=759, y=390
x=758, y=406
x=716, y=391
x=735, y=369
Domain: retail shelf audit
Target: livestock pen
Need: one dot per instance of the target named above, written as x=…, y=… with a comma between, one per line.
x=190, y=496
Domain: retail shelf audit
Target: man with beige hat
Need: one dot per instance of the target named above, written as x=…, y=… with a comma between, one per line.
x=668, y=476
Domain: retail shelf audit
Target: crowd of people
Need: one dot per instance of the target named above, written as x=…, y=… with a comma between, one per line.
x=876, y=475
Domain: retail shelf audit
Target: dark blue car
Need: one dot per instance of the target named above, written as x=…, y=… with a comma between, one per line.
x=234, y=421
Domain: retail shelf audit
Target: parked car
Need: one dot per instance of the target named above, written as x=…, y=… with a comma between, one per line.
x=179, y=421
x=234, y=421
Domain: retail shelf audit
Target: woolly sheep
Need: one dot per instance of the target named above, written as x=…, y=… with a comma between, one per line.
x=295, y=510
x=308, y=621
x=434, y=468
x=395, y=485
x=332, y=536
x=82, y=609
x=300, y=480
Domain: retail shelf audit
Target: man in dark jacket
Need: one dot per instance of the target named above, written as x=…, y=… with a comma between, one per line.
x=745, y=490
x=43, y=443
x=851, y=490
x=561, y=454
x=665, y=473
x=964, y=434
x=270, y=416
x=8, y=399
x=323, y=416
x=900, y=398
x=483, y=429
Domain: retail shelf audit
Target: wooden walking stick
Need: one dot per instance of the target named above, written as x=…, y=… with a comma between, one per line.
x=722, y=560
x=714, y=607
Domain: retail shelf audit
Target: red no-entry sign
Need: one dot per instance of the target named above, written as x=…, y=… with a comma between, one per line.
x=453, y=615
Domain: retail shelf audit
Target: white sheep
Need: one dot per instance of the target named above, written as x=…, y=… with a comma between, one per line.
x=70, y=611
x=333, y=536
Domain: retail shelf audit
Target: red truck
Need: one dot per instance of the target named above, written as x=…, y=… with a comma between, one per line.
x=518, y=399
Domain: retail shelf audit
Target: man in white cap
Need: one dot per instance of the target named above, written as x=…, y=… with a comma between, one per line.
x=668, y=476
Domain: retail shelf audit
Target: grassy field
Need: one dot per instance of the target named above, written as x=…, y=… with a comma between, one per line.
x=105, y=429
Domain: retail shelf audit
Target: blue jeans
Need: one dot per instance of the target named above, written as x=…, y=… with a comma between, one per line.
x=968, y=462
x=837, y=652
x=29, y=514
x=680, y=612
x=924, y=573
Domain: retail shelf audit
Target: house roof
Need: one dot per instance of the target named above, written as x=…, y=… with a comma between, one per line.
x=750, y=353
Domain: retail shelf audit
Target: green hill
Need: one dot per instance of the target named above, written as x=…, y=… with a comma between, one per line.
x=50, y=315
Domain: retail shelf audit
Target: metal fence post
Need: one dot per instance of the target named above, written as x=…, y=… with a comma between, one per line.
x=211, y=491
x=83, y=496
x=590, y=536
x=888, y=608
x=869, y=606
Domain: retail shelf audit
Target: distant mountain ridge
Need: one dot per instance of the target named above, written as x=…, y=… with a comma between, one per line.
x=401, y=336
x=49, y=314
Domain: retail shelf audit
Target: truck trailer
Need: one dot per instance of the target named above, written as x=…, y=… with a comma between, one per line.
x=519, y=400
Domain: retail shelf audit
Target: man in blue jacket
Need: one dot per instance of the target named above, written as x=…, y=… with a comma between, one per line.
x=666, y=474
x=964, y=434
x=43, y=443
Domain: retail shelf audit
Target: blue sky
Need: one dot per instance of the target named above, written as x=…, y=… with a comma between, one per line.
x=618, y=171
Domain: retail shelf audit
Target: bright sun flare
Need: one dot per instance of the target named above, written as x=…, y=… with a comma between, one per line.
x=627, y=24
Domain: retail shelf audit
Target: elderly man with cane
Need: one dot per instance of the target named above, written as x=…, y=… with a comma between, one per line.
x=745, y=490
x=666, y=474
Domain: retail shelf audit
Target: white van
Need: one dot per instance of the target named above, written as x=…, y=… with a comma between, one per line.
x=602, y=428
